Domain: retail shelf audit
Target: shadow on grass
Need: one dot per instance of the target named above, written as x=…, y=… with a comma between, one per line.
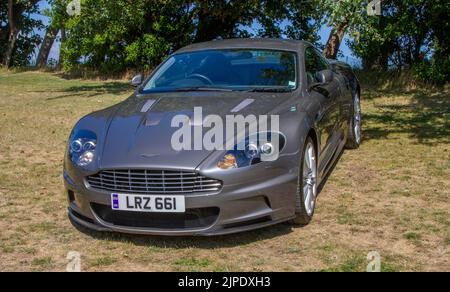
x=221, y=241
x=114, y=88
x=426, y=118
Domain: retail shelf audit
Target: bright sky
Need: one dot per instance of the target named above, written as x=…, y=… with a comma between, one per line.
x=324, y=33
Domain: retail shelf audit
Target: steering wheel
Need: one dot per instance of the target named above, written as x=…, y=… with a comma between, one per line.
x=201, y=77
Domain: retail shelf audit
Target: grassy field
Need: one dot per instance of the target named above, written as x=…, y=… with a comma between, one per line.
x=391, y=196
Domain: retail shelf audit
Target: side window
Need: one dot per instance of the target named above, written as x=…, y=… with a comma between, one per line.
x=314, y=63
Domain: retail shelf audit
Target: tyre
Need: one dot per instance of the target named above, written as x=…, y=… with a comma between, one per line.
x=355, y=125
x=307, y=185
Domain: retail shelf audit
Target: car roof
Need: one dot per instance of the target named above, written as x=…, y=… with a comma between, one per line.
x=246, y=43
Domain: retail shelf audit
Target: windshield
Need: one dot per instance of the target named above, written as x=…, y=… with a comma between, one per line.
x=226, y=70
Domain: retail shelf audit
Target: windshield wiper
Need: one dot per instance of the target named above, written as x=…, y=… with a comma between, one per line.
x=270, y=89
x=183, y=89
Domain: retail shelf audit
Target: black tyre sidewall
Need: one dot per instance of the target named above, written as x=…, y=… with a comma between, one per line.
x=351, y=139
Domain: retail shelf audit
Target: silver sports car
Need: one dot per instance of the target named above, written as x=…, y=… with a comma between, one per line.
x=223, y=137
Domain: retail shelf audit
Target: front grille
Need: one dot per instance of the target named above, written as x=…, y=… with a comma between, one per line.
x=192, y=218
x=153, y=182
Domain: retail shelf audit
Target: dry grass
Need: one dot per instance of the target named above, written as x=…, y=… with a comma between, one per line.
x=391, y=196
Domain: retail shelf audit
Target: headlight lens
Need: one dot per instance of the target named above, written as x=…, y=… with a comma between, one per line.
x=76, y=146
x=86, y=158
x=255, y=149
x=251, y=150
x=82, y=148
x=89, y=146
x=267, y=148
x=228, y=162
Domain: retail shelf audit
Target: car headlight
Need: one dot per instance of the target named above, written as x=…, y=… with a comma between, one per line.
x=258, y=148
x=82, y=147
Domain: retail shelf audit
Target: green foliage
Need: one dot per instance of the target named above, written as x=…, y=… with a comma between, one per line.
x=146, y=51
x=28, y=38
x=112, y=36
x=433, y=71
x=219, y=18
x=3, y=27
x=350, y=12
x=343, y=17
x=56, y=12
x=115, y=35
x=409, y=34
x=304, y=21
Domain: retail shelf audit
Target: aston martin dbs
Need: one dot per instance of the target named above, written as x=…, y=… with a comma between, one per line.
x=144, y=166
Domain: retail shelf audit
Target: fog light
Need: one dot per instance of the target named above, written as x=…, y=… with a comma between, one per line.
x=228, y=162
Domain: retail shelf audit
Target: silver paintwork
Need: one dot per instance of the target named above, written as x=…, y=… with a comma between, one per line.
x=242, y=105
x=148, y=105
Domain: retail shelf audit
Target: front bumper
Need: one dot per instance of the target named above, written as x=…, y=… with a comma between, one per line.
x=265, y=197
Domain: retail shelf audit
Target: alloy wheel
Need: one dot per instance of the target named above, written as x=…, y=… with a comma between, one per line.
x=357, y=119
x=310, y=179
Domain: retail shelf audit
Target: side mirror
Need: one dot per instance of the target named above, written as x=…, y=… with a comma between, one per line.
x=325, y=76
x=137, y=80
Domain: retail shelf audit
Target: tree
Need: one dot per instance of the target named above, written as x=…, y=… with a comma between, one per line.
x=117, y=35
x=408, y=34
x=18, y=34
x=3, y=27
x=342, y=16
x=405, y=33
x=13, y=32
x=437, y=16
x=304, y=21
x=58, y=16
x=221, y=18
x=275, y=18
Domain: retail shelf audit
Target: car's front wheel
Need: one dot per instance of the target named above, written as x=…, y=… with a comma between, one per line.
x=307, y=185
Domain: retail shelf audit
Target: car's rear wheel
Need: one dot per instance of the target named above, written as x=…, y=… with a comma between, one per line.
x=355, y=126
x=307, y=185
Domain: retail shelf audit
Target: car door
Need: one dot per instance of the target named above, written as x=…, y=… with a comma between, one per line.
x=345, y=98
x=327, y=94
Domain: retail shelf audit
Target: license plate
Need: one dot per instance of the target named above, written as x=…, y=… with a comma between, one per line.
x=144, y=203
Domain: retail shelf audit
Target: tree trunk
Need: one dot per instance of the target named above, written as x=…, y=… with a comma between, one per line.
x=216, y=21
x=335, y=40
x=47, y=44
x=15, y=11
x=10, y=50
x=3, y=41
x=3, y=35
x=63, y=39
x=206, y=31
x=12, y=35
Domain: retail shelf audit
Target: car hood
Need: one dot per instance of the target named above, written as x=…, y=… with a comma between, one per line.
x=140, y=129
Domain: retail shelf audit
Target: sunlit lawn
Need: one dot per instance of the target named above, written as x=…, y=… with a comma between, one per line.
x=391, y=196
